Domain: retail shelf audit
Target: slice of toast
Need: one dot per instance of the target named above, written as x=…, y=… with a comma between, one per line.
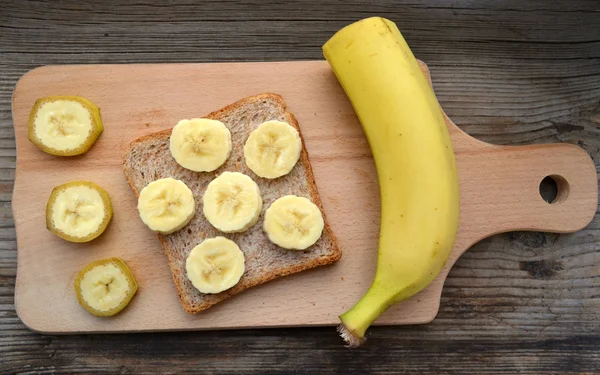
x=148, y=158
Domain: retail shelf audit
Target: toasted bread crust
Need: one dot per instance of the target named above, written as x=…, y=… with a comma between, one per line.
x=266, y=275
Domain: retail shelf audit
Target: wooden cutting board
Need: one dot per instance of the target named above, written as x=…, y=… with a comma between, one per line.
x=499, y=192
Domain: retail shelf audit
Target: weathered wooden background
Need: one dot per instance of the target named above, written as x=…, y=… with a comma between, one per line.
x=507, y=72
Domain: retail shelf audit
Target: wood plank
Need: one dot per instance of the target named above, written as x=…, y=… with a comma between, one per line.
x=230, y=352
x=477, y=65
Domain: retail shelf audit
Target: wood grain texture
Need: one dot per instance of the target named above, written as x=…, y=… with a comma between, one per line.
x=136, y=100
x=509, y=72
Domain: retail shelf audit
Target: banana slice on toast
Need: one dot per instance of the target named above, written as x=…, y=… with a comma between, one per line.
x=200, y=145
x=293, y=222
x=273, y=149
x=166, y=205
x=232, y=202
x=215, y=265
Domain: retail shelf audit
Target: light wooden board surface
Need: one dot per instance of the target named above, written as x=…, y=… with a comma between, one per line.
x=499, y=192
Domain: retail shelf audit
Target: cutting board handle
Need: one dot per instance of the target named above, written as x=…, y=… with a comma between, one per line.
x=524, y=208
x=568, y=165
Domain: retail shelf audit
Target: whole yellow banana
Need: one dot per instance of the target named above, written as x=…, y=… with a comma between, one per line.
x=414, y=159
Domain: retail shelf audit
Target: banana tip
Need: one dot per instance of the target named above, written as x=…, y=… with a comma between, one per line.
x=351, y=340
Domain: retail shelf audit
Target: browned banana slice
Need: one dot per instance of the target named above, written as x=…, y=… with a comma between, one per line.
x=78, y=211
x=105, y=287
x=64, y=125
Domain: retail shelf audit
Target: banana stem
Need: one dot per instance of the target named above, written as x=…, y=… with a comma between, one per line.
x=357, y=320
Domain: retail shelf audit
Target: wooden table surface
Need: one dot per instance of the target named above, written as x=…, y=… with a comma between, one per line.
x=507, y=72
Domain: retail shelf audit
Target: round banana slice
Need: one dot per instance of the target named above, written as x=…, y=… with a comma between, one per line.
x=273, y=149
x=105, y=287
x=200, y=145
x=166, y=205
x=78, y=211
x=215, y=265
x=64, y=125
x=293, y=222
x=232, y=202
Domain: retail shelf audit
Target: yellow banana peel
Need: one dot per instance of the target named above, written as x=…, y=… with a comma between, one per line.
x=415, y=164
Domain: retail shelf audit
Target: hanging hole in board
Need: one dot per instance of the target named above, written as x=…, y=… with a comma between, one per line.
x=554, y=189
